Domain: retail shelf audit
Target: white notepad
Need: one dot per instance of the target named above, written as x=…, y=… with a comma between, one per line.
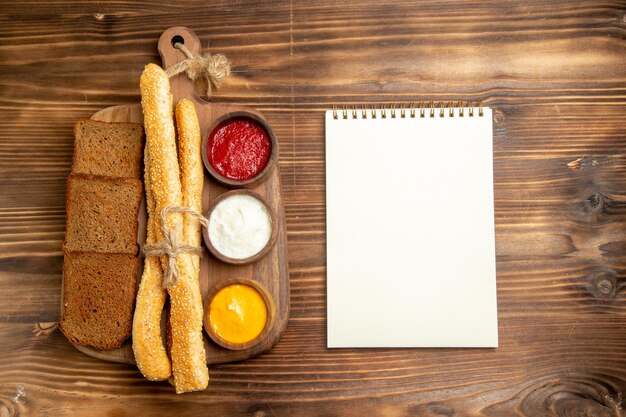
x=410, y=229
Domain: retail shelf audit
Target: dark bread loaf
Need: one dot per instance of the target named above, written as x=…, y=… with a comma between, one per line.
x=98, y=298
x=112, y=150
x=100, y=266
x=102, y=215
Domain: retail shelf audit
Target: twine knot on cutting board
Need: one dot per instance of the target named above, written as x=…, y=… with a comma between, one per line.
x=214, y=68
x=172, y=244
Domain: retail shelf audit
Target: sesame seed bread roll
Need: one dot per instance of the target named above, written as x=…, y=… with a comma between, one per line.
x=191, y=170
x=158, y=120
x=150, y=353
x=187, y=351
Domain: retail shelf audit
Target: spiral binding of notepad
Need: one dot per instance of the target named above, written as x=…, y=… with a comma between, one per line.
x=412, y=110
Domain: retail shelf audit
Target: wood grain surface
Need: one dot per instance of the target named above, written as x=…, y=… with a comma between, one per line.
x=555, y=73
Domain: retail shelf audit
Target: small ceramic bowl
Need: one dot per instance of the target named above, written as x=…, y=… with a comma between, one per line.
x=261, y=175
x=269, y=323
x=206, y=231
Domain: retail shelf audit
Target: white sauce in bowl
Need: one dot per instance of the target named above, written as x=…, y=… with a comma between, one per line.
x=240, y=226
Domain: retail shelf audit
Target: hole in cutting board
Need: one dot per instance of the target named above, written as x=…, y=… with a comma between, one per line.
x=177, y=39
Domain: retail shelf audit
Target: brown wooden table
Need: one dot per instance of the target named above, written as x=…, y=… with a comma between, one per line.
x=554, y=72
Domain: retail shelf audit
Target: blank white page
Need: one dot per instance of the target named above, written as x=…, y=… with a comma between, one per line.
x=410, y=231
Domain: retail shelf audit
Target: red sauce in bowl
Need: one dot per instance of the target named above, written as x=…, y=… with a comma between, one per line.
x=239, y=148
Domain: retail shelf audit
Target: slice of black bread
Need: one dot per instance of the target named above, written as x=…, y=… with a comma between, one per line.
x=98, y=298
x=112, y=150
x=102, y=215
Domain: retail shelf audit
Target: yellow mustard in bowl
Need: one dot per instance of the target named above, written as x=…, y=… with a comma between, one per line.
x=237, y=314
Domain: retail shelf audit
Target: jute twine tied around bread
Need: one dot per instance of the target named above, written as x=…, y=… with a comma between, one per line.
x=172, y=245
x=212, y=67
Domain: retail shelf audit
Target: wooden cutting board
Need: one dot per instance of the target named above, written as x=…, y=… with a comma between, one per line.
x=271, y=270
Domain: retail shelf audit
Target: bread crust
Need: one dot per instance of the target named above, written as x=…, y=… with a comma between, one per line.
x=187, y=351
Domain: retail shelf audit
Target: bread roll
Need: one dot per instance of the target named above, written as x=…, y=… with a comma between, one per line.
x=192, y=179
x=150, y=353
x=191, y=169
x=156, y=102
x=187, y=350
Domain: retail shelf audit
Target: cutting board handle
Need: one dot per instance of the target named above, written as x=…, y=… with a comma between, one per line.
x=180, y=85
